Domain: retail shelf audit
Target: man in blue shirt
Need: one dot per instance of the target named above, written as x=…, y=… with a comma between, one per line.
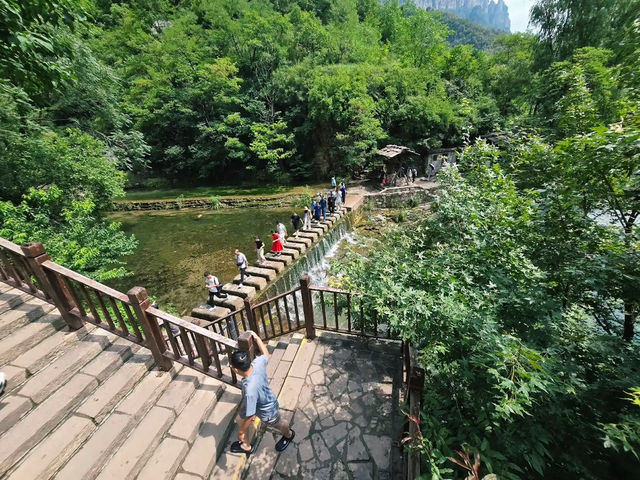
x=258, y=399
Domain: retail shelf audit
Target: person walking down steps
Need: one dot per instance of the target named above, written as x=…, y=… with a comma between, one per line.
x=241, y=262
x=306, y=219
x=258, y=400
x=260, y=250
x=276, y=246
x=214, y=286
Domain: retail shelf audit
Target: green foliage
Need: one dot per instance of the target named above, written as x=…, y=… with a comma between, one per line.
x=72, y=231
x=516, y=370
x=216, y=204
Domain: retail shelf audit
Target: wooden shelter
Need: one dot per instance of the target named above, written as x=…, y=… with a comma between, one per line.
x=396, y=156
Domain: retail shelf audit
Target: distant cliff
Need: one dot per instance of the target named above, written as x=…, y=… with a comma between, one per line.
x=490, y=13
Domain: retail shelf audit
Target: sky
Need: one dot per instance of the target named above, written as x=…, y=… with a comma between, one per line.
x=519, y=14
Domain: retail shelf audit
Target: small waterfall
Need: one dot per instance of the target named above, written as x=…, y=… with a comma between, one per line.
x=314, y=262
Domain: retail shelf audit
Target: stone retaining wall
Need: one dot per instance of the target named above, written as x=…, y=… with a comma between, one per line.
x=399, y=198
x=187, y=203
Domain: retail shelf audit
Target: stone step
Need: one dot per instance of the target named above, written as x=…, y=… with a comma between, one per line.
x=259, y=283
x=12, y=298
x=165, y=461
x=277, y=267
x=5, y=287
x=25, y=312
x=146, y=392
x=44, y=352
x=210, y=313
x=43, y=460
x=213, y=434
x=300, y=247
x=232, y=301
x=32, y=428
x=47, y=380
x=318, y=228
x=264, y=272
x=180, y=390
x=13, y=409
x=110, y=359
x=291, y=252
x=328, y=223
x=88, y=460
x=29, y=335
x=245, y=291
x=284, y=259
x=300, y=240
x=102, y=401
x=198, y=408
x=129, y=459
x=309, y=235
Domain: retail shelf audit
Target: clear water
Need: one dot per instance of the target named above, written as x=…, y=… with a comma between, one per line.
x=176, y=247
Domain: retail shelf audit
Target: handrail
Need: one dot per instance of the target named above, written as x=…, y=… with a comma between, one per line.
x=12, y=247
x=159, y=314
x=59, y=269
x=277, y=297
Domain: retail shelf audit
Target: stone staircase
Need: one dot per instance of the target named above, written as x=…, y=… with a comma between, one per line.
x=87, y=404
x=262, y=274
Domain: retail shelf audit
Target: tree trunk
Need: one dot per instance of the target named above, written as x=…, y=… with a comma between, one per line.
x=629, y=322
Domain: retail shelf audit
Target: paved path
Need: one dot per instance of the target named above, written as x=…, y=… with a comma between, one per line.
x=339, y=396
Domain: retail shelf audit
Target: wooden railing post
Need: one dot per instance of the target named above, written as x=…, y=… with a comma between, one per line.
x=35, y=255
x=246, y=344
x=253, y=325
x=307, y=304
x=415, y=387
x=153, y=338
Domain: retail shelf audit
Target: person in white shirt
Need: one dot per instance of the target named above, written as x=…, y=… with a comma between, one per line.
x=241, y=262
x=282, y=231
x=214, y=286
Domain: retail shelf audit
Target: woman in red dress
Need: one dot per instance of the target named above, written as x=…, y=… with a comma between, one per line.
x=276, y=247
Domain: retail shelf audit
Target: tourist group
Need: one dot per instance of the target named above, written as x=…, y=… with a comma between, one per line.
x=322, y=203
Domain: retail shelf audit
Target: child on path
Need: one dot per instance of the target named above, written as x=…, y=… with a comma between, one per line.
x=241, y=262
x=343, y=192
x=258, y=400
x=276, y=246
x=260, y=250
x=214, y=286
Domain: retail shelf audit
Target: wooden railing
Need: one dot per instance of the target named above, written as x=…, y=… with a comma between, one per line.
x=81, y=300
x=414, y=387
x=206, y=346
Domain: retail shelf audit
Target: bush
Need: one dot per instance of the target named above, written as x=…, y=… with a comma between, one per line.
x=216, y=204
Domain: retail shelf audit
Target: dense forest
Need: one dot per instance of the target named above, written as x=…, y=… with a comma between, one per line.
x=521, y=290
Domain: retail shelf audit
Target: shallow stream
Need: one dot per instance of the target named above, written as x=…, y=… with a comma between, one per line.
x=176, y=247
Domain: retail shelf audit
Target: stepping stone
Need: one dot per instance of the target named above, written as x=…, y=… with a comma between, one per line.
x=254, y=281
x=300, y=247
x=311, y=234
x=319, y=226
x=210, y=313
x=327, y=222
x=281, y=259
x=266, y=271
x=277, y=266
x=233, y=302
x=301, y=240
x=319, y=230
x=291, y=252
x=245, y=291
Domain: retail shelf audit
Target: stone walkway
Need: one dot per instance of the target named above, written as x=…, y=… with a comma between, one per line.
x=341, y=395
